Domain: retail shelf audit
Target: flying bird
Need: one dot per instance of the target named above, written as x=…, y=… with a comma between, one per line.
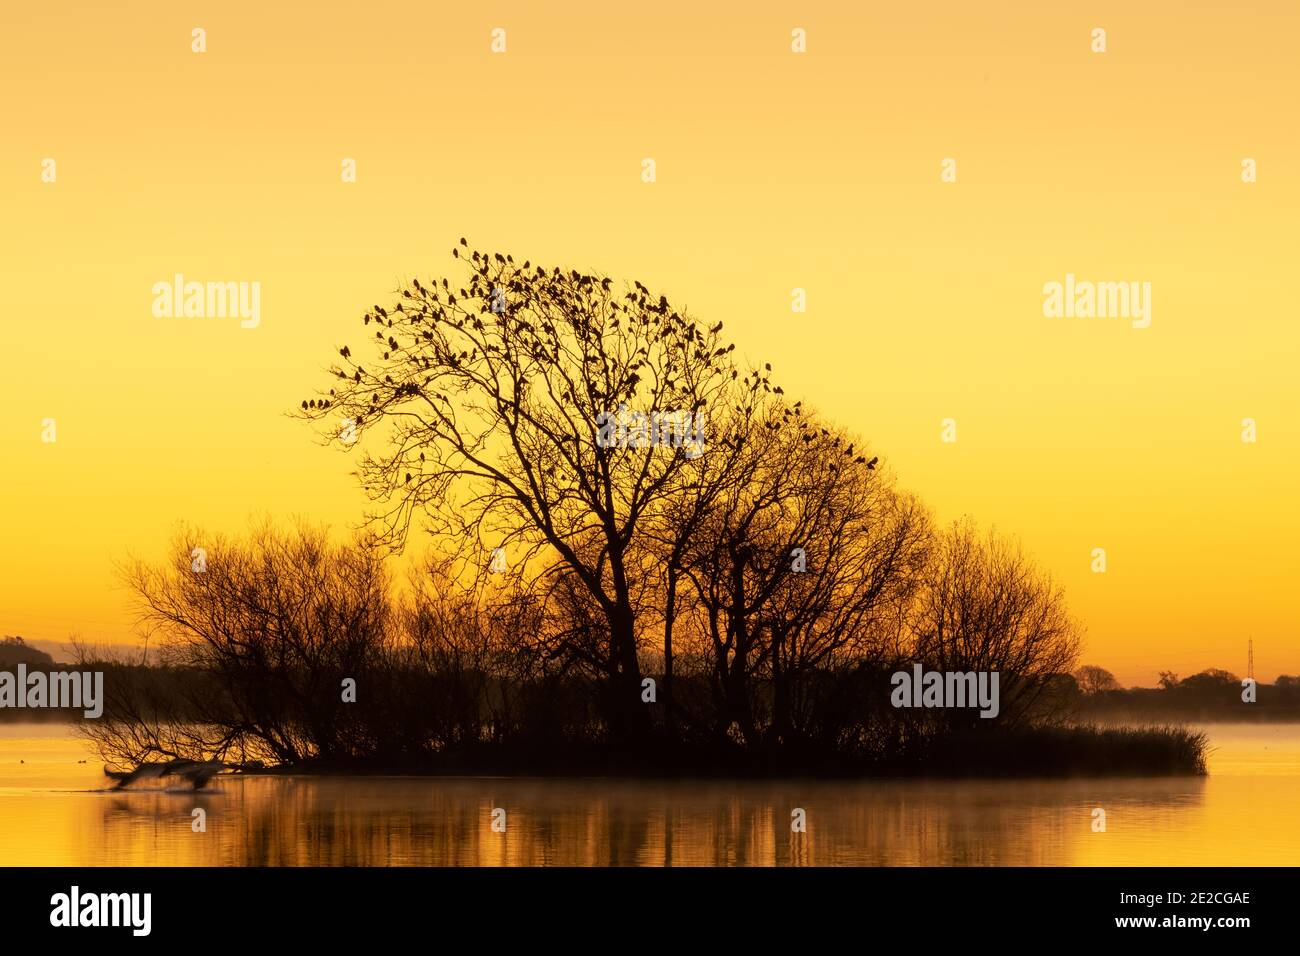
x=197, y=772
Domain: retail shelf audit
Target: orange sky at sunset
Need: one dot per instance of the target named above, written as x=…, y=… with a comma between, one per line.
x=775, y=171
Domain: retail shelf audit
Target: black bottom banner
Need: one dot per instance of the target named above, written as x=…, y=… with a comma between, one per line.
x=592, y=908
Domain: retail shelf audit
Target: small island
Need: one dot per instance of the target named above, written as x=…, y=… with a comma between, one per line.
x=633, y=554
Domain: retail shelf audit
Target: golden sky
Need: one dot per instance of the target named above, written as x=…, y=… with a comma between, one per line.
x=775, y=170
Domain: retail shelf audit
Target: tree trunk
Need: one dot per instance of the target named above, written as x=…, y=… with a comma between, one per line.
x=781, y=695
x=629, y=718
x=670, y=614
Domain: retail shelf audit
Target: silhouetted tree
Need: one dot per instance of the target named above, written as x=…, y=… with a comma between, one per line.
x=984, y=606
x=489, y=397
x=277, y=621
x=1210, y=686
x=808, y=555
x=1095, y=680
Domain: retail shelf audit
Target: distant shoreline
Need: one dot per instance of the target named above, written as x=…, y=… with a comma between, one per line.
x=1101, y=717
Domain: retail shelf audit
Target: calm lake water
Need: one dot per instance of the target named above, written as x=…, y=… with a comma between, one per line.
x=53, y=812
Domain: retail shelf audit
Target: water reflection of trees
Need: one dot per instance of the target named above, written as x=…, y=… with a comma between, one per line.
x=282, y=821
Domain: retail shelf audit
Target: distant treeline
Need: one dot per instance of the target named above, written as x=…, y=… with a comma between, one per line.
x=1213, y=695
x=15, y=651
x=1209, y=697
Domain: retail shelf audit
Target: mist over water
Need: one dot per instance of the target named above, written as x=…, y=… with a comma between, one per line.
x=52, y=812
